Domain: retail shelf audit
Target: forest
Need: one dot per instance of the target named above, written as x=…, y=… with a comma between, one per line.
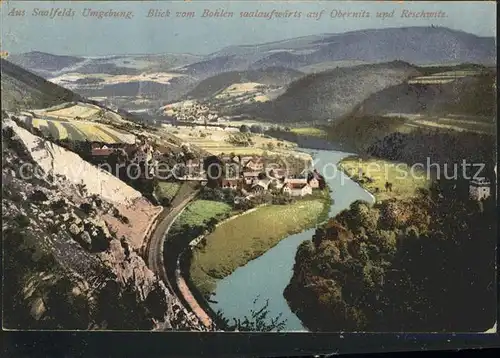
x=425, y=264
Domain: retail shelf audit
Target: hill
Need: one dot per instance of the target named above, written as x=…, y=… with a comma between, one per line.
x=211, y=67
x=465, y=105
x=277, y=76
x=472, y=95
x=329, y=95
x=23, y=88
x=42, y=61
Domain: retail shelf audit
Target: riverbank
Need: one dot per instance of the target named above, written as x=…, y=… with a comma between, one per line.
x=240, y=240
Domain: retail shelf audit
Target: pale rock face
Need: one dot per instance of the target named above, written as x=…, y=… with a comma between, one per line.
x=59, y=161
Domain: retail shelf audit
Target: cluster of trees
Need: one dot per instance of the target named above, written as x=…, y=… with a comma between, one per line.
x=240, y=139
x=421, y=265
x=254, y=128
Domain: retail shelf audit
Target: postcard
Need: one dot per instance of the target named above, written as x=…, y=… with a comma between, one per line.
x=249, y=166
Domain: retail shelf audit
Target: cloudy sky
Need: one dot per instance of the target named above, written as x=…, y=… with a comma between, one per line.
x=90, y=36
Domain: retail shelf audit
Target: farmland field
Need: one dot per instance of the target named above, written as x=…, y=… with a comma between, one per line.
x=82, y=111
x=443, y=77
x=310, y=131
x=80, y=131
x=213, y=140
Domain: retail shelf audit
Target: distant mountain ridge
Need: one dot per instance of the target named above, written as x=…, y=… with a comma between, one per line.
x=417, y=45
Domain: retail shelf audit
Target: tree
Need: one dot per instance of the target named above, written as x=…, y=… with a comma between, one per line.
x=256, y=128
x=257, y=321
x=244, y=128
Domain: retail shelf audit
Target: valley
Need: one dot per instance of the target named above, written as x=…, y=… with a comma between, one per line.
x=188, y=186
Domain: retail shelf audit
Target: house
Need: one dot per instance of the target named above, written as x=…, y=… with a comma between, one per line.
x=296, y=181
x=260, y=187
x=96, y=145
x=479, y=189
x=102, y=152
x=230, y=184
x=255, y=164
x=246, y=158
x=250, y=177
x=297, y=189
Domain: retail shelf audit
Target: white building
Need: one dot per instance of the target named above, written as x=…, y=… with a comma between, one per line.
x=297, y=189
x=479, y=189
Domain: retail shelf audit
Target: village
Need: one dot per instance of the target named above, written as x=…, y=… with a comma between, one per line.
x=191, y=111
x=246, y=176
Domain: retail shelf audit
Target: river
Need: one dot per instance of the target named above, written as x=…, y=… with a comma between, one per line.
x=267, y=276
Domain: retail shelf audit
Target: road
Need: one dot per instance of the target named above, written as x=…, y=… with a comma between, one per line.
x=165, y=264
x=156, y=242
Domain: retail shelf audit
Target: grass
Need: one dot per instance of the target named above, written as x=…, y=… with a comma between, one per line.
x=310, y=131
x=457, y=125
x=372, y=174
x=200, y=212
x=240, y=240
x=166, y=190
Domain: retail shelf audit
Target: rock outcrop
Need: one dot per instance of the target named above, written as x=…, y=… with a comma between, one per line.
x=66, y=265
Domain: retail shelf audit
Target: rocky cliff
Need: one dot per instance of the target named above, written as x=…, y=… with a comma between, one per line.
x=68, y=262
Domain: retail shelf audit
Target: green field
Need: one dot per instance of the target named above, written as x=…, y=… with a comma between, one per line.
x=310, y=131
x=166, y=190
x=199, y=212
x=244, y=238
x=373, y=173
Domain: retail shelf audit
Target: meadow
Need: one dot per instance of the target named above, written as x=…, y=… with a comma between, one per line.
x=372, y=174
x=244, y=238
x=200, y=212
x=310, y=131
x=167, y=190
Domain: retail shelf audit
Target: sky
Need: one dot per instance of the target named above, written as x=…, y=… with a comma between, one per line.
x=86, y=36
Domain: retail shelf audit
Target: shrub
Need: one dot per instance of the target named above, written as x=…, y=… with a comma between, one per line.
x=22, y=220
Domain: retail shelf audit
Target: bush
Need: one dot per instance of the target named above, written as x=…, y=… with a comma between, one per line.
x=86, y=208
x=255, y=128
x=22, y=220
x=38, y=196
